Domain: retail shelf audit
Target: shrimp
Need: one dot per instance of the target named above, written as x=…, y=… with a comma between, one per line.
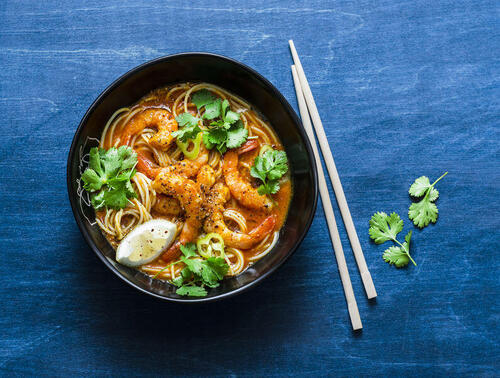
x=205, y=178
x=188, y=194
x=158, y=118
x=244, y=193
x=215, y=221
x=167, y=205
x=187, y=168
x=147, y=166
x=248, y=146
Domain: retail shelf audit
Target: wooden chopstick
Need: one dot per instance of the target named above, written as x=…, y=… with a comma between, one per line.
x=352, y=306
x=334, y=177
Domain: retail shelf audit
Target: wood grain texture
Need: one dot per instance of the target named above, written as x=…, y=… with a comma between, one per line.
x=403, y=88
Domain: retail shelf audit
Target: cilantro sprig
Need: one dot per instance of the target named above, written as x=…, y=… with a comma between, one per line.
x=197, y=273
x=385, y=227
x=269, y=168
x=108, y=177
x=224, y=130
x=424, y=211
x=189, y=128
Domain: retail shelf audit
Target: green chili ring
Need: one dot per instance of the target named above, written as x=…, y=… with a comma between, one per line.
x=209, y=244
x=193, y=152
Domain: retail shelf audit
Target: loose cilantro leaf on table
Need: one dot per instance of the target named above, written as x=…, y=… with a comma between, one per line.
x=269, y=168
x=385, y=227
x=396, y=256
x=424, y=211
x=108, y=177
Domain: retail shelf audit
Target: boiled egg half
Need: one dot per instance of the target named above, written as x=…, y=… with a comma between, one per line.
x=146, y=242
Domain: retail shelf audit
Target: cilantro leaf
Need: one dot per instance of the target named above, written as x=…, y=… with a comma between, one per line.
x=191, y=291
x=217, y=267
x=384, y=227
x=231, y=117
x=399, y=256
x=95, y=161
x=207, y=141
x=396, y=256
x=269, y=168
x=225, y=130
x=424, y=211
x=199, y=272
x=406, y=244
x=202, y=98
x=420, y=186
x=178, y=281
x=213, y=109
x=114, y=198
x=187, y=119
x=433, y=195
x=108, y=177
x=189, y=250
x=216, y=138
x=236, y=137
x=92, y=180
x=270, y=187
x=189, y=127
x=195, y=266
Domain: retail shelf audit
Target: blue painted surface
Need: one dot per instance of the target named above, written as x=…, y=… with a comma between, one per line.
x=404, y=88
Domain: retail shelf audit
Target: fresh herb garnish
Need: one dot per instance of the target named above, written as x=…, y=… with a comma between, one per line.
x=108, y=177
x=225, y=129
x=189, y=128
x=424, y=211
x=385, y=227
x=202, y=98
x=189, y=250
x=226, y=132
x=269, y=168
x=198, y=273
x=223, y=132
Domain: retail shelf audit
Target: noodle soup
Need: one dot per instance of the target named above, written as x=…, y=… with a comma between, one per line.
x=200, y=162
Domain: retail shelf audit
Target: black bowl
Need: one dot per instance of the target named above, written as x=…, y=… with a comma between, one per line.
x=240, y=80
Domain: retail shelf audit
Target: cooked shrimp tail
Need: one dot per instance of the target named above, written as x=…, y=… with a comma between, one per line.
x=146, y=166
x=172, y=253
x=248, y=146
x=263, y=229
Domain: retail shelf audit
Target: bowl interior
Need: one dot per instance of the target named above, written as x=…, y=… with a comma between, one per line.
x=239, y=80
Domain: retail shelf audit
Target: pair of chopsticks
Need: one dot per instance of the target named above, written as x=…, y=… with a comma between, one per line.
x=308, y=111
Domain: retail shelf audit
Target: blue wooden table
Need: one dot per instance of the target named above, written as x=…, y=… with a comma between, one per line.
x=404, y=88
